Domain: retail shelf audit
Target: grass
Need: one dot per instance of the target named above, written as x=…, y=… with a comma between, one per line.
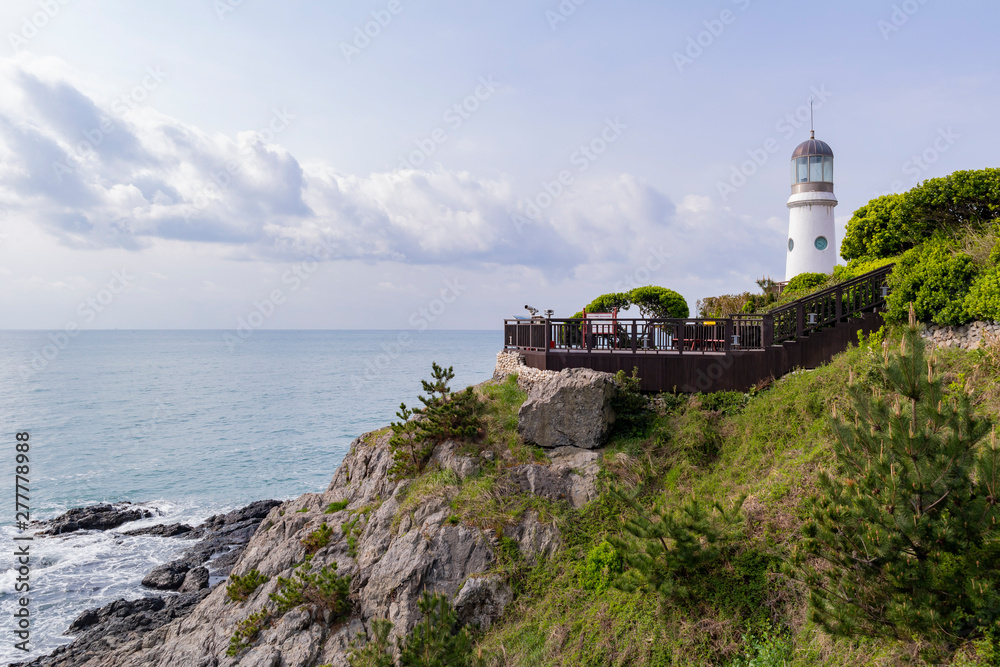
x=767, y=445
x=336, y=506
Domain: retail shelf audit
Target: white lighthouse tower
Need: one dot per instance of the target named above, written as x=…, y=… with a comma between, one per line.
x=811, y=224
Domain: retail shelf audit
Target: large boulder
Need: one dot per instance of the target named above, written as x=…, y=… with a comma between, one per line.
x=569, y=409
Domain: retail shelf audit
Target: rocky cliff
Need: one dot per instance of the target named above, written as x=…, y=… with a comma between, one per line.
x=395, y=539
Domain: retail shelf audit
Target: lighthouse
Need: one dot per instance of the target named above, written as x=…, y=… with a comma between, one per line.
x=810, y=222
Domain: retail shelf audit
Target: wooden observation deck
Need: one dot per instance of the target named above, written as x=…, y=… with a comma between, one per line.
x=689, y=355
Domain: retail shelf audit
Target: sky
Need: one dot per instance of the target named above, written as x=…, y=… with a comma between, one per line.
x=438, y=164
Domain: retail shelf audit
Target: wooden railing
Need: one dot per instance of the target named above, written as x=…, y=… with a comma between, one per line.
x=864, y=294
x=797, y=319
x=636, y=335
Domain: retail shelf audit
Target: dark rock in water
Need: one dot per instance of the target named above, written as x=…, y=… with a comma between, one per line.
x=95, y=517
x=100, y=630
x=235, y=520
x=162, y=530
x=167, y=577
x=195, y=580
x=224, y=534
x=223, y=565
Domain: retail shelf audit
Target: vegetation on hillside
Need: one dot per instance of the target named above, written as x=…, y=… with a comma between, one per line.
x=730, y=482
x=950, y=207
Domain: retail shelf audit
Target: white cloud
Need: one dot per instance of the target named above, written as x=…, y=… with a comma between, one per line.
x=97, y=179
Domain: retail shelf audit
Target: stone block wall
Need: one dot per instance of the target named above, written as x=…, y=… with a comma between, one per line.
x=512, y=361
x=968, y=336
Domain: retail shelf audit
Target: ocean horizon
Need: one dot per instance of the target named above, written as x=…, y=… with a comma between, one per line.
x=189, y=425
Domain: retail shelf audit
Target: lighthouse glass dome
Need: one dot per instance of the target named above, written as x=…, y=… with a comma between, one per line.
x=812, y=162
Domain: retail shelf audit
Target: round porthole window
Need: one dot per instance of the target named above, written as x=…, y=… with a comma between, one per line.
x=791, y=244
x=821, y=243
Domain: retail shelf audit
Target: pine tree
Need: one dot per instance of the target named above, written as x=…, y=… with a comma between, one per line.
x=437, y=641
x=377, y=652
x=905, y=529
x=666, y=549
x=444, y=415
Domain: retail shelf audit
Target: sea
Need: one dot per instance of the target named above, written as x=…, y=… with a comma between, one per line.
x=188, y=424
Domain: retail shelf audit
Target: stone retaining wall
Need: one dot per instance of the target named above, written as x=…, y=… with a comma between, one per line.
x=512, y=361
x=968, y=336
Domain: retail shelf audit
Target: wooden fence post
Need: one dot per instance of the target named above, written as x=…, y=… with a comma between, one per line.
x=767, y=331
x=840, y=304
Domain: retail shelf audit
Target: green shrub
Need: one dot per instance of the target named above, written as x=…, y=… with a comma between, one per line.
x=880, y=228
x=983, y=300
x=351, y=535
x=247, y=632
x=858, y=267
x=726, y=402
x=948, y=206
x=324, y=590
x=936, y=279
x=600, y=567
x=633, y=414
x=806, y=281
x=767, y=648
x=240, y=588
x=337, y=506
x=317, y=539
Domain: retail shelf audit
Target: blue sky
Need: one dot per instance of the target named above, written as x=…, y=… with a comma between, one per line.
x=464, y=158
